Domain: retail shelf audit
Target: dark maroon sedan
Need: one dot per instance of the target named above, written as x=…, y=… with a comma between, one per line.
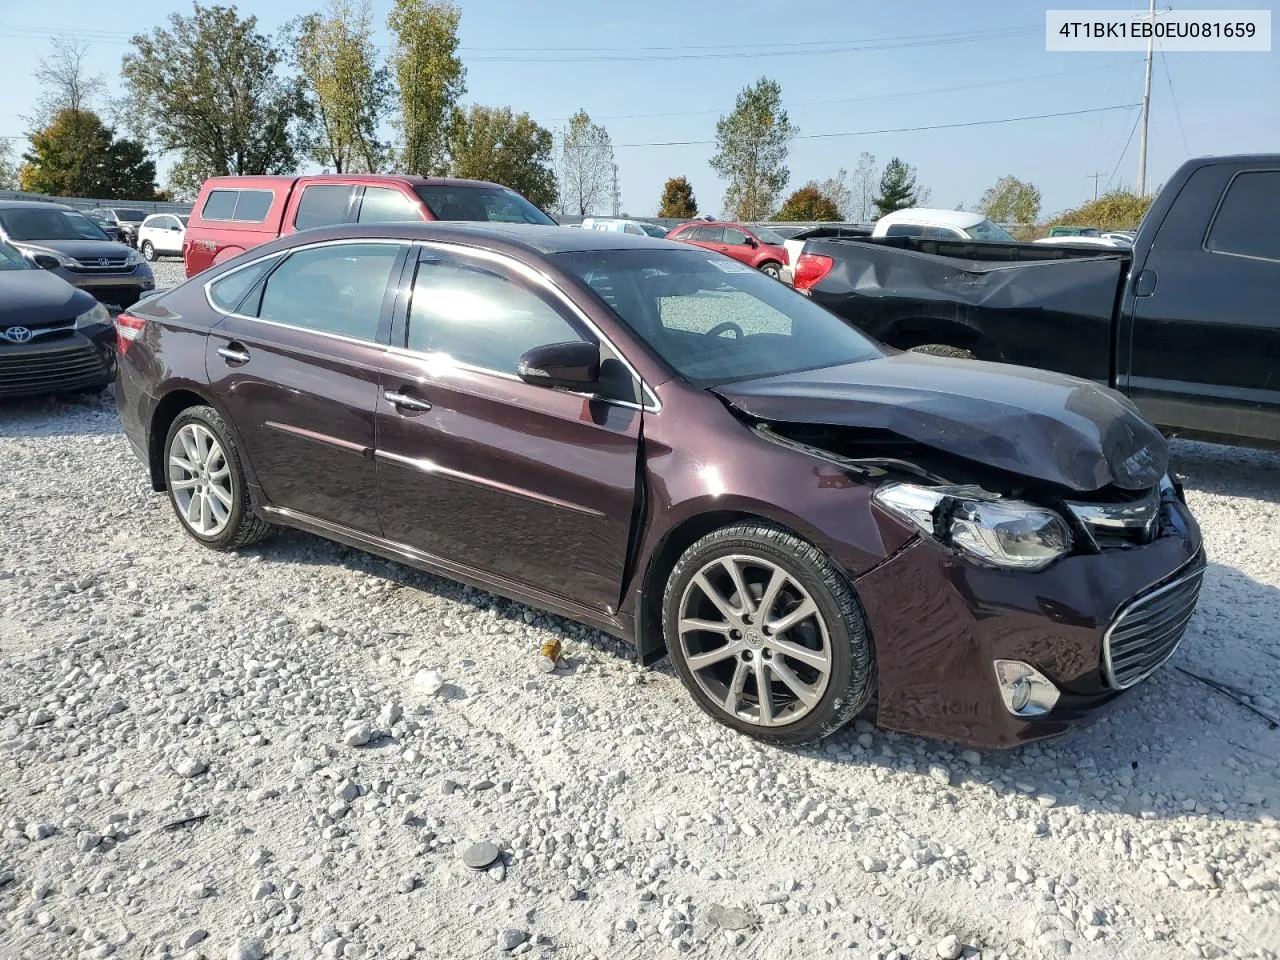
x=668, y=445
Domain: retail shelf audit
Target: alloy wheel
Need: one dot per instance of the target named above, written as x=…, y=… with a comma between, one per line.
x=200, y=480
x=754, y=640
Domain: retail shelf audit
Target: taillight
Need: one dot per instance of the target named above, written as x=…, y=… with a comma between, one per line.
x=128, y=329
x=810, y=269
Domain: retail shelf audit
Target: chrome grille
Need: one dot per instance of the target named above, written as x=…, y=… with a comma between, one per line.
x=27, y=372
x=95, y=264
x=1147, y=631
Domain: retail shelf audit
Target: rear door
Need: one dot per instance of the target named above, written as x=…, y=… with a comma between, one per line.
x=478, y=468
x=1205, y=338
x=296, y=365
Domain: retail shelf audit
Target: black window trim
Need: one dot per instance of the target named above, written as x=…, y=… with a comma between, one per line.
x=237, y=191
x=1204, y=243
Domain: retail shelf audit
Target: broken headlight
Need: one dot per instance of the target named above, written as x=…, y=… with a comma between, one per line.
x=1004, y=533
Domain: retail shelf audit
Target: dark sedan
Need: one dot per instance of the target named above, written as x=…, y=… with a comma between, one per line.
x=53, y=337
x=664, y=443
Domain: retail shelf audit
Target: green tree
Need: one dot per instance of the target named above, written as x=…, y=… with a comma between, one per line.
x=348, y=90
x=808, y=203
x=1116, y=210
x=8, y=168
x=586, y=166
x=1011, y=200
x=898, y=188
x=678, y=200
x=77, y=155
x=424, y=57
x=209, y=86
x=495, y=144
x=751, y=151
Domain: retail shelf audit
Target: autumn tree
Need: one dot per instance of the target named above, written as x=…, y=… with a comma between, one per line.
x=586, y=166
x=495, y=144
x=898, y=188
x=1114, y=210
x=77, y=155
x=1011, y=200
x=808, y=204
x=431, y=79
x=836, y=189
x=348, y=90
x=678, y=201
x=209, y=86
x=751, y=151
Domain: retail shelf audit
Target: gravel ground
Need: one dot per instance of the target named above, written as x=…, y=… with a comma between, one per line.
x=287, y=753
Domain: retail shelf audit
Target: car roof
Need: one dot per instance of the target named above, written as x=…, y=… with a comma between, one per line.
x=930, y=215
x=250, y=182
x=529, y=237
x=33, y=205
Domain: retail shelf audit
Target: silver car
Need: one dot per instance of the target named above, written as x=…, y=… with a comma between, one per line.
x=66, y=242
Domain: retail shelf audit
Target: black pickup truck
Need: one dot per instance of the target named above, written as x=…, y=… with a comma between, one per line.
x=1187, y=323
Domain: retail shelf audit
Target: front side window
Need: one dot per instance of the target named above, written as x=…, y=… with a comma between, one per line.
x=322, y=205
x=715, y=320
x=734, y=237
x=385, y=205
x=34, y=223
x=337, y=288
x=1246, y=222
x=479, y=316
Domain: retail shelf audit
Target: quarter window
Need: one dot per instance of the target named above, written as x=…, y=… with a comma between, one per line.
x=480, y=317
x=337, y=289
x=322, y=205
x=384, y=205
x=227, y=292
x=1246, y=221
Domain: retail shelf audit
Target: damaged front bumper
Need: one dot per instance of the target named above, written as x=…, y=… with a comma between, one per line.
x=938, y=650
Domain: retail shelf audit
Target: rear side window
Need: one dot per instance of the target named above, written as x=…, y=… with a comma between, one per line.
x=480, y=317
x=337, y=288
x=384, y=205
x=227, y=292
x=242, y=206
x=322, y=205
x=708, y=234
x=1246, y=221
x=904, y=230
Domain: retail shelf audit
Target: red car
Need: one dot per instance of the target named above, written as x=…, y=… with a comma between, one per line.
x=753, y=246
x=233, y=214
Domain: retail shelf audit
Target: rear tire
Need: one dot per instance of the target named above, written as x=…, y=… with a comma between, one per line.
x=771, y=269
x=818, y=670
x=149, y=251
x=944, y=350
x=206, y=483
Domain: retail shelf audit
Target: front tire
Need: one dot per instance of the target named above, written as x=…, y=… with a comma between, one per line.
x=771, y=269
x=767, y=635
x=149, y=251
x=206, y=482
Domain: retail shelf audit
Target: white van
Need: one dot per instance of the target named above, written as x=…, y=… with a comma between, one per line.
x=618, y=225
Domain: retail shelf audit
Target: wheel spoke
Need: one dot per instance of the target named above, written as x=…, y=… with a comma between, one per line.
x=807, y=694
x=221, y=495
x=221, y=473
x=206, y=513
x=770, y=597
x=182, y=464
x=814, y=658
x=700, y=661
x=689, y=624
x=189, y=445
x=713, y=595
x=734, y=696
x=764, y=692
x=193, y=511
x=806, y=609
x=183, y=484
x=735, y=574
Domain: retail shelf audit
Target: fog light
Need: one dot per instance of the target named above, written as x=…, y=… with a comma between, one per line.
x=1025, y=690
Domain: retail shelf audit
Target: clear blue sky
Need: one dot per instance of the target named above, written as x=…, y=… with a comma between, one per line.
x=1227, y=102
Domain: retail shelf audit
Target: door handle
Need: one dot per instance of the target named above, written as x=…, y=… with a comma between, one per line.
x=406, y=402
x=234, y=354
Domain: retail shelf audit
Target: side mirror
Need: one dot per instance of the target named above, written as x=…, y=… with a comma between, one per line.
x=752, y=242
x=574, y=365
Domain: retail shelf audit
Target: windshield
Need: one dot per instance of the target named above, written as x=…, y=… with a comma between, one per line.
x=131, y=216
x=986, y=230
x=653, y=230
x=11, y=259
x=714, y=320
x=497, y=204
x=184, y=218
x=31, y=223
x=769, y=237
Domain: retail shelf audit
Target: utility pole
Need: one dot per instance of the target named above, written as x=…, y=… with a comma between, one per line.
x=1146, y=109
x=1095, y=177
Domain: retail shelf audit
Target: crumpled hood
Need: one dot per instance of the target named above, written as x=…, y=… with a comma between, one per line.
x=1035, y=423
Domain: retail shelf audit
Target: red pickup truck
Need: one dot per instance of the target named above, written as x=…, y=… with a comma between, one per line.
x=232, y=214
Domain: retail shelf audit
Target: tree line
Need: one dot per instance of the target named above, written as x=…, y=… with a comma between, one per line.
x=224, y=98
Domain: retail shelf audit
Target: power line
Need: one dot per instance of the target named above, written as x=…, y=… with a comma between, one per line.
x=932, y=126
x=1125, y=151
x=877, y=96
x=1164, y=60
